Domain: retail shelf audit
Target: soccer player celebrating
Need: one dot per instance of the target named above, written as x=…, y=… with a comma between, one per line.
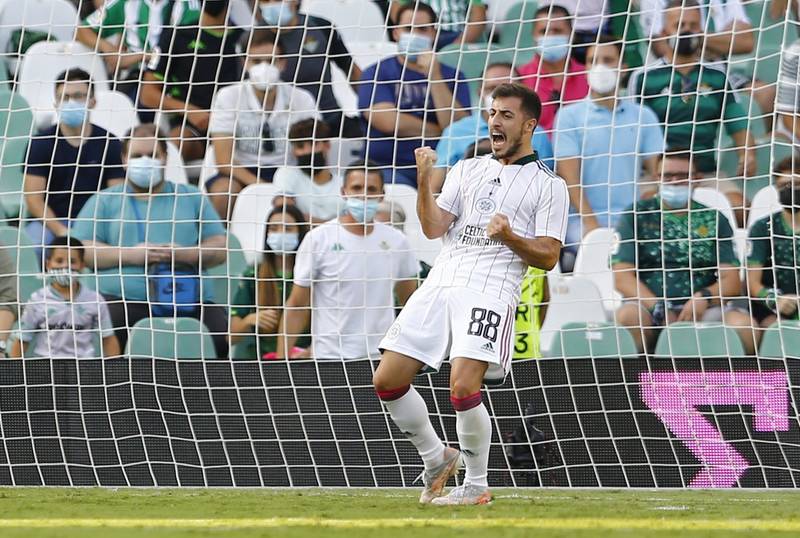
x=500, y=214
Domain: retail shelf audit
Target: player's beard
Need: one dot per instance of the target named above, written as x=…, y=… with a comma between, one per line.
x=512, y=147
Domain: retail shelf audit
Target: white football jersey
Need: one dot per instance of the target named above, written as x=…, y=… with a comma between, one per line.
x=532, y=197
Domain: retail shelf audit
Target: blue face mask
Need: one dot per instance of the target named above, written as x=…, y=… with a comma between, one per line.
x=283, y=242
x=73, y=113
x=145, y=172
x=276, y=14
x=675, y=196
x=360, y=210
x=413, y=44
x=553, y=48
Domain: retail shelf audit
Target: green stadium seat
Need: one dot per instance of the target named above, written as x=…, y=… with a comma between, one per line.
x=16, y=124
x=246, y=349
x=472, y=58
x=781, y=339
x=595, y=340
x=224, y=278
x=771, y=36
x=170, y=338
x=517, y=33
x=702, y=340
x=22, y=253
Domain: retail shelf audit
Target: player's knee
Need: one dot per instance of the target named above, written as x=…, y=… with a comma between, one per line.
x=461, y=389
x=386, y=387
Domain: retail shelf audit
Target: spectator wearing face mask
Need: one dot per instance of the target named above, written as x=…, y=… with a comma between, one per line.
x=144, y=235
x=554, y=74
x=407, y=100
x=604, y=143
x=311, y=45
x=772, y=268
x=589, y=18
x=264, y=287
x=250, y=122
x=68, y=162
x=460, y=21
x=350, y=269
x=311, y=185
x=459, y=136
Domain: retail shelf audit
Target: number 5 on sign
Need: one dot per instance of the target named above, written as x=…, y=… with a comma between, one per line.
x=675, y=396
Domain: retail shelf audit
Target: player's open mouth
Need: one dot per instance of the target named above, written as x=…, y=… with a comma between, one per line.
x=497, y=138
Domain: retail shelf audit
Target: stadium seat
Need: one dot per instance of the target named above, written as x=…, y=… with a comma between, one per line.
x=23, y=255
x=356, y=20
x=175, y=170
x=224, y=278
x=249, y=217
x=715, y=199
x=425, y=249
x=344, y=152
x=516, y=33
x=593, y=262
x=43, y=62
x=16, y=126
x=781, y=340
x=772, y=34
x=764, y=203
x=702, y=340
x=471, y=60
x=115, y=112
x=595, y=340
x=572, y=299
x=170, y=338
x=57, y=19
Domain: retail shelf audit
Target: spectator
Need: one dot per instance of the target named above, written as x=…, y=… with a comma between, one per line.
x=263, y=288
x=148, y=229
x=410, y=97
x=460, y=21
x=250, y=122
x=68, y=162
x=458, y=136
x=589, y=17
x=187, y=67
x=62, y=319
x=311, y=44
x=676, y=262
x=126, y=32
x=602, y=143
x=8, y=298
x=693, y=99
x=788, y=102
x=530, y=315
x=555, y=76
x=336, y=271
x=772, y=277
x=311, y=185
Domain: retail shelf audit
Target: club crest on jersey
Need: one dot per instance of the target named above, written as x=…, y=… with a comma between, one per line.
x=485, y=206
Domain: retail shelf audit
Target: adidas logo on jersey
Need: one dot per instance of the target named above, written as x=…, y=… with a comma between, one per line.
x=487, y=347
x=495, y=181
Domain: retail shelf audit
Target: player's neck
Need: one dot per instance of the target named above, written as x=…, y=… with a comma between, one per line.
x=521, y=153
x=354, y=227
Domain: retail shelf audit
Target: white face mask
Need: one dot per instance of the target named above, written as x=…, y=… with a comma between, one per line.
x=264, y=75
x=487, y=103
x=603, y=79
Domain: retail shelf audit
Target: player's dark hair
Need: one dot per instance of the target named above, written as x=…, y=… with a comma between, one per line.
x=531, y=104
x=366, y=166
x=145, y=130
x=417, y=7
x=74, y=74
x=267, y=291
x=68, y=242
x=553, y=11
x=309, y=130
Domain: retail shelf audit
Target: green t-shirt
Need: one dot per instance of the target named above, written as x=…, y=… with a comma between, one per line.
x=692, y=107
x=244, y=304
x=773, y=246
x=684, y=258
x=135, y=20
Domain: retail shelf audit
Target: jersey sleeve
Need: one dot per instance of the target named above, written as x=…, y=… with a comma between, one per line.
x=304, y=262
x=734, y=115
x=104, y=318
x=652, y=138
x=40, y=156
x=567, y=135
x=450, y=198
x=109, y=19
x=725, y=253
x=32, y=317
x=626, y=251
x=758, y=244
x=112, y=165
x=551, y=211
x=223, y=112
x=160, y=56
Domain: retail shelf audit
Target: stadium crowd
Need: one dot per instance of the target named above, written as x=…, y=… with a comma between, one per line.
x=244, y=93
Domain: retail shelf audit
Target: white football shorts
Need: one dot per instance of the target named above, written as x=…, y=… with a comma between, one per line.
x=442, y=322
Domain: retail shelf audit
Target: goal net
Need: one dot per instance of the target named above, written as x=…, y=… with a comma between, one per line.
x=180, y=304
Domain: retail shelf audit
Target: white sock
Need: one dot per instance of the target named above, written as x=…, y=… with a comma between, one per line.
x=410, y=414
x=474, y=429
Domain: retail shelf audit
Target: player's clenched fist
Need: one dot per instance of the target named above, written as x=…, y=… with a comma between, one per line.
x=426, y=158
x=499, y=228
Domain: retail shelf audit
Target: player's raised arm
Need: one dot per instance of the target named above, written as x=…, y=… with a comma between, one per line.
x=434, y=220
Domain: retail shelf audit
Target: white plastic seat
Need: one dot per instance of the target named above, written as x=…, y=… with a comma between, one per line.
x=371, y=52
x=716, y=200
x=572, y=299
x=249, y=217
x=594, y=263
x=175, y=170
x=425, y=249
x=355, y=20
x=43, y=62
x=765, y=202
x=115, y=112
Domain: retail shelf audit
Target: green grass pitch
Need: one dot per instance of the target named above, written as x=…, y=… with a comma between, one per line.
x=178, y=513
